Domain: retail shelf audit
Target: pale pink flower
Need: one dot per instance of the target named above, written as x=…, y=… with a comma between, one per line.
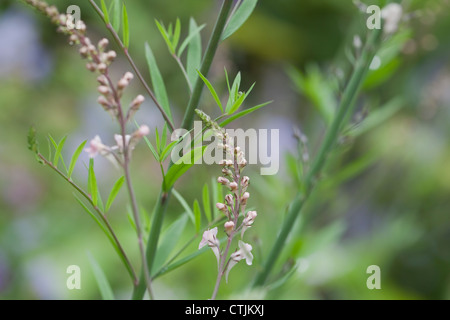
x=244, y=252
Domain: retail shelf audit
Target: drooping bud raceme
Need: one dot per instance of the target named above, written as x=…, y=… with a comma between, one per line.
x=210, y=239
x=244, y=252
x=232, y=165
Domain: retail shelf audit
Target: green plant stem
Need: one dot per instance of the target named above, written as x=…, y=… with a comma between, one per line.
x=206, y=63
x=133, y=65
x=161, y=206
x=102, y=216
x=351, y=91
x=152, y=242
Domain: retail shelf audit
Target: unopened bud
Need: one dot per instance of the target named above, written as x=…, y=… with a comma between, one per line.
x=103, y=90
x=229, y=227
x=137, y=101
x=222, y=180
x=221, y=206
x=233, y=186
x=102, y=44
x=143, y=131
x=102, y=67
x=229, y=199
x=103, y=101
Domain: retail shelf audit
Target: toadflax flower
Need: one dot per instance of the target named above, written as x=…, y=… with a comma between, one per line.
x=209, y=238
x=96, y=146
x=248, y=221
x=244, y=252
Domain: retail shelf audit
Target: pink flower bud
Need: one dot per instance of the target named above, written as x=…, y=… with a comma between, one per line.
x=129, y=76
x=233, y=186
x=221, y=206
x=245, y=181
x=229, y=227
x=102, y=44
x=102, y=80
x=137, y=101
x=103, y=90
x=143, y=131
x=222, y=180
x=102, y=67
x=229, y=199
x=103, y=101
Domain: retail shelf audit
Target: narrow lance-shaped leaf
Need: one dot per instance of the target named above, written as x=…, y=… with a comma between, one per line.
x=166, y=36
x=92, y=183
x=234, y=92
x=126, y=27
x=114, y=191
x=197, y=215
x=102, y=282
x=192, y=34
x=116, y=15
x=206, y=203
x=58, y=151
x=74, y=158
x=212, y=90
x=176, y=35
x=157, y=81
x=168, y=242
x=182, y=165
x=239, y=17
x=105, y=11
x=185, y=205
x=243, y=113
x=194, y=53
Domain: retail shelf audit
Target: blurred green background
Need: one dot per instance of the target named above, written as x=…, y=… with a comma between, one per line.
x=384, y=200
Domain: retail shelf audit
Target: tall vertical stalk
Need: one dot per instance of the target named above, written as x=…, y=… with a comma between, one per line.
x=164, y=196
x=351, y=91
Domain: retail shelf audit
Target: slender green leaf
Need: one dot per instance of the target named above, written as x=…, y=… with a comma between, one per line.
x=212, y=90
x=116, y=15
x=168, y=241
x=58, y=153
x=192, y=34
x=166, y=36
x=94, y=217
x=163, y=138
x=240, y=16
x=237, y=104
x=182, y=165
x=158, y=141
x=176, y=35
x=114, y=191
x=234, y=92
x=378, y=116
x=194, y=53
x=166, y=151
x=185, y=205
x=243, y=113
x=102, y=282
x=206, y=202
x=157, y=81
x=152, y=149
x=197, y=216
x=74, y=158
x=126, y=27
x=92, y=183
x=105, y=11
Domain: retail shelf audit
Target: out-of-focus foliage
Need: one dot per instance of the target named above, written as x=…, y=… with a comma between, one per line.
x=383, y=201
